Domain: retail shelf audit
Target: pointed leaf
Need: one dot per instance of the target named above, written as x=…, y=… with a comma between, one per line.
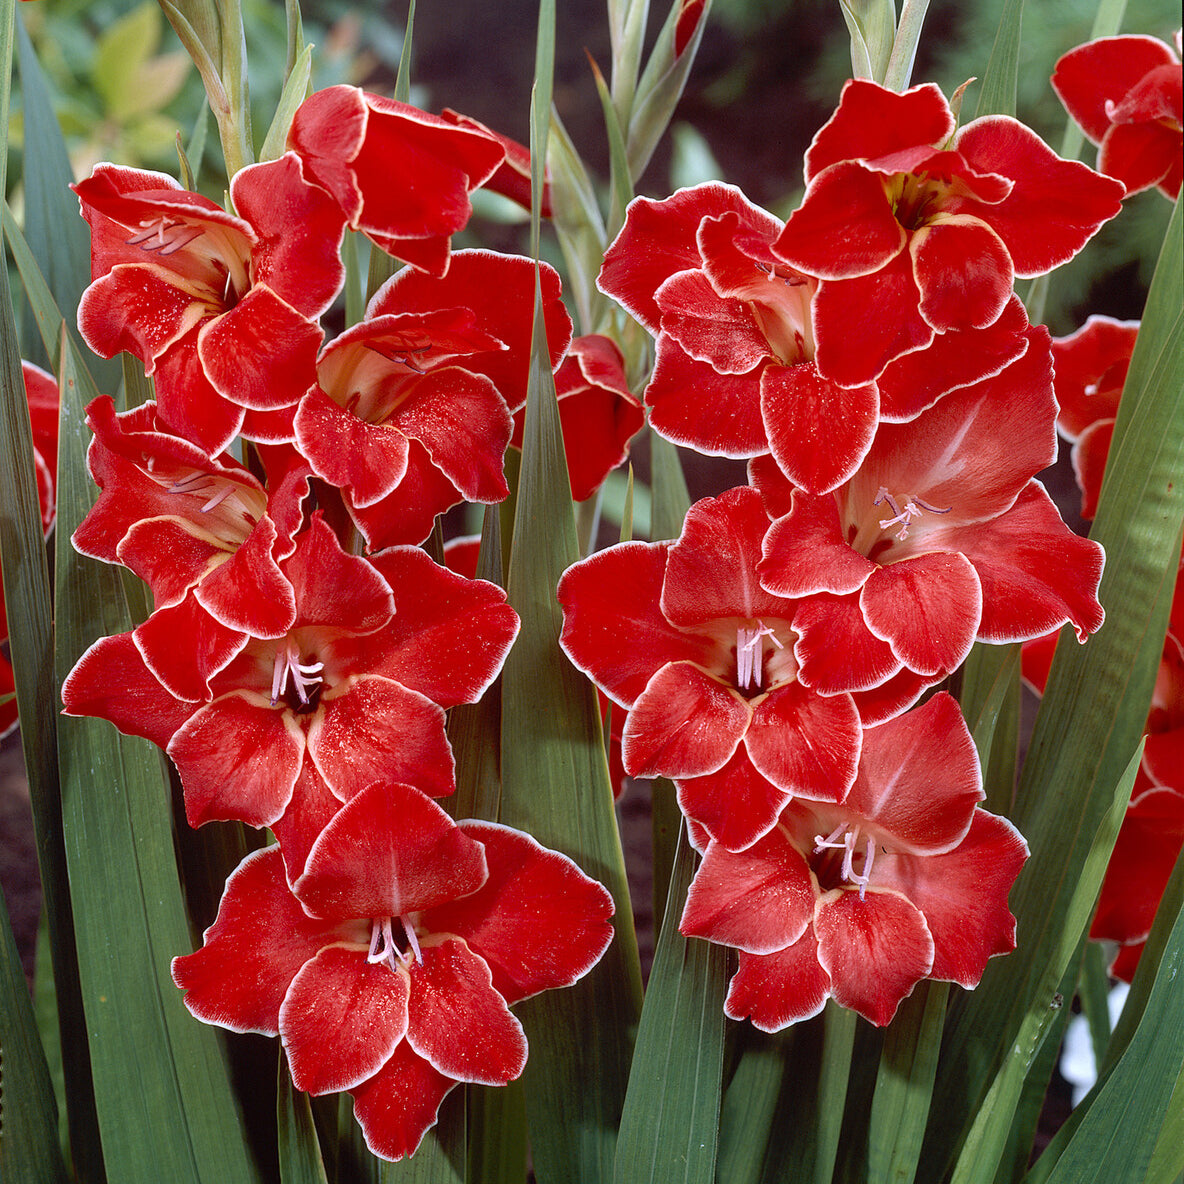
x=29, y=1149
x=670, y=1124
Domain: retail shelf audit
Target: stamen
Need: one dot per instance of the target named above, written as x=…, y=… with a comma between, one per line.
x=201, y=483
x=382, y=942
x=750, y=653
x=847, y=844
x=305, y=676
x=169, y=236
x=412, y=940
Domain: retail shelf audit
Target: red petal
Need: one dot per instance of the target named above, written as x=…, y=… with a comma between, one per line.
x=954, y=359
x=598, y=414
x=963, y=271
x=819, y=432
x=1057, y=205
x=1148, y=845
x=449, y=636
x=333, y=589
x=464, y=425
x=805, y=552
x=875, y=950
x=112, y=682
x=538, y=921
x=759, y=900
x=919, y=778
x=399, y=1104
x=187, y=402
x=396, y=172
x=873, y=121
x=387, y=852
x=835, y=650
x=684, y=724
x=185, y=647
x=299, y=227
x=613, y=628
x=249, y=592
x=499, y=292
x=862, y=324
x=342, y=1018
x=845, y=226
x=927, y=608
x=1090, y=368
x=364, y=460
x=711, y=569
x=693, y=404
x=407, y=514
x=709, y=328
x=1142, y=154
x=805, y=744
x=138, y=308
x=963, y=895
x=373, y=731
x=776, y=990
x=238, y=758
x=253, y=950
x=1035, y=573
x=261, y=354
x=736, y=806
x=955, y=455
x=459, y=1023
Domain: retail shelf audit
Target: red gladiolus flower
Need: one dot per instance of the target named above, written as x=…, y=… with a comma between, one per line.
x=220, y=308
x=401, y=176
x=942, y=537
x=907, y=879
x=1125, y=92
x=597, y=413
x=735, y=373
x=682, y=635
x=915, y=230
x=351, y=695
x=411, y=411
x=199, y=531
x=41, y=391
x=388, y=968
x=1089, y=370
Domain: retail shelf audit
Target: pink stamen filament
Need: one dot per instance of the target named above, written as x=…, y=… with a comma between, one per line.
x=305, y=676
x=847, y=844
x=169, y=236
x=199, y=483
x=750, y=654
x=913, y=508
x=383, y=947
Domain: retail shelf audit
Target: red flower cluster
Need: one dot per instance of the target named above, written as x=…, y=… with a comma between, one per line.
x=865, y=356
x=297, y=684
